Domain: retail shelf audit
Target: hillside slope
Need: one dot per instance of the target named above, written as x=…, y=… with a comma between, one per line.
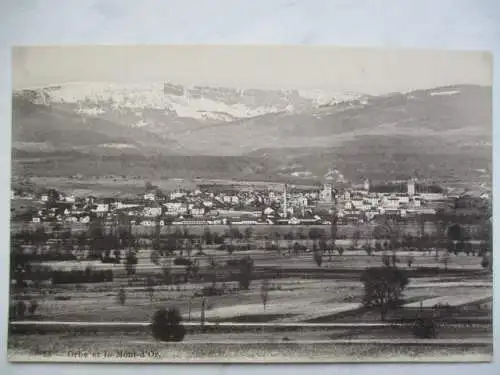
x=38, y=128
x=443, y=133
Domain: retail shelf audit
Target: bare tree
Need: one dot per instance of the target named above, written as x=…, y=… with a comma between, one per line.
x=386, y=259
x=410, y=260
x=212, y=264
x=333, y=236
x=150, y=287
x=264, y=292
x=317, y=256
x=131, y=263
x=389, y=228
x=155, y=257
x=445, y=259
x=421, y=232
x=122, y=296
x=356, y=236
x=383, y=287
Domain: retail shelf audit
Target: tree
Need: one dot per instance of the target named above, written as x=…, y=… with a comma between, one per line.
x=442, y=221
x=53, y=195
x=318, y=257
x=167, y=274
x=296, y=248
x=487, y=262
x=452, y=248
x=207, y=236
x=246, y=272
x=188, y=245
x=410, y=260
x=131, y=263
x=167, y=325
x=20, y=309
x=333, y=230
x=122, y=296
x=421, y=232
x=445, y=259
x=150, y=287
x=394, y=259
x=388, y=228
x=212, y=265
x=149, y=186
x=356, y=236
x=368, y=249
x=32, y=307
x=248, y=233
x=386, y=259
x=425, y=327
x=455, y=232
x=117, y=255
x=383, y=287
x=322, y=245
x=264, y=292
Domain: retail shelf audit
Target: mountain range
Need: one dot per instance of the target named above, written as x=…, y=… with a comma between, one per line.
x=168, y=130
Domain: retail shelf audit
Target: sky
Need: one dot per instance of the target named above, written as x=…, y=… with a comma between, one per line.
x=366, y=70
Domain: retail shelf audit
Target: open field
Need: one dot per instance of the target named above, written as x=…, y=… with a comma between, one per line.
x=299, y=300
x=110, y=186
x=299, y=290
x=348, y=261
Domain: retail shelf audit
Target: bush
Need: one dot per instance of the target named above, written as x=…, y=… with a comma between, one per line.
x=79, y=276
x=246, y=272
x=179, y=261
x=17, y=310
x=233, y=262
x=12, y=311
x=167, y=325
x=486, y=262
x=122, y=296
x=386, y=260
x=425, y=328
x=209, y=291
x=20, y=309
x=318, y=258
x=32, y=307
x=130, y=263
x=383, y=287
x=62, y=298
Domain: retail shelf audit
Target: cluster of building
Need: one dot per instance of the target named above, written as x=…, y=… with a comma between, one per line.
x=370, y=204
x=239, y=206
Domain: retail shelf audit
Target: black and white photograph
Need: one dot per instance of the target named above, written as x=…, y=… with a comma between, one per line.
x=250, y=204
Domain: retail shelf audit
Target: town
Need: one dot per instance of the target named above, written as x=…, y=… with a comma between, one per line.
x=222, y=205
x=225, y=208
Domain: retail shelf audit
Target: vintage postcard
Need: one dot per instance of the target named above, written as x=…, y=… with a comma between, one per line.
x=250, y=204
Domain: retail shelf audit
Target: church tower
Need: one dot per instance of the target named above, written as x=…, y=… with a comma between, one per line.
x=366, y=185
x=285, y=202
x=411, y=187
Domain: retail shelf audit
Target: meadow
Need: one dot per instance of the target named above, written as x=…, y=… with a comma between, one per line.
x=299, y=290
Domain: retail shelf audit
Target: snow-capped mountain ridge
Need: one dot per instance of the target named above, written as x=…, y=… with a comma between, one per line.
x=197, y=102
